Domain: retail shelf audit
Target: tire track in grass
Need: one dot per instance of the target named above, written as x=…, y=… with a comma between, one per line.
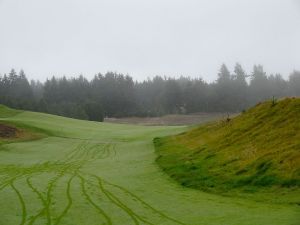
x=10, y=178
x=98, y=151
x=40, y=196
x=46, y=208
x=92, y=150
x=102, y=151
x=49, y=198
x=114, y=150
x=5, y=184
x=76, y=153
x=145, y=204
x=8, y=182
x=83, y=154
x=87, y=153
x=73, y=154
x=121, y=204
x=22, y=202
x=70, y=201
x=84, y=192
x=114, y=200
x=35, y=190
x=51, y=185
x=107, y=149
x=111, y=150
x=4, y=178
x=47, y=201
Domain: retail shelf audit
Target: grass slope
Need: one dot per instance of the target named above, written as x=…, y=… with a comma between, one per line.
x=8, y=112
x=256, y=150
x=98, y=173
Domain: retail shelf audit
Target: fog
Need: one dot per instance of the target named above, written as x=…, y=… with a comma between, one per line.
x=147, y=38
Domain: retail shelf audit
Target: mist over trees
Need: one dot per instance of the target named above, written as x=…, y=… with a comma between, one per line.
x=117, y=95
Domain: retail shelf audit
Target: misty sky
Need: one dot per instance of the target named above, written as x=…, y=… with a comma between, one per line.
x=148, y=37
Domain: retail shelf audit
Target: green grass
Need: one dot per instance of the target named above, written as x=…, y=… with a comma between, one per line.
x=84, y=172
x=257, y=151
x=8, y=112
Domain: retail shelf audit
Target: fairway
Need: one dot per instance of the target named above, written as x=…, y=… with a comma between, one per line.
x=100, y=173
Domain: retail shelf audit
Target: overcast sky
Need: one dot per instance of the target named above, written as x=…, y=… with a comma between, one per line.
x=148, y=37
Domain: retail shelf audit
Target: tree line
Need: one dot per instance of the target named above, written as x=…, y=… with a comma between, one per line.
x=117, y=95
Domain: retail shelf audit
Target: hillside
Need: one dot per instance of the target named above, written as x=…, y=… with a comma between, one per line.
x=258, y=149
x=7, y=112
x=107, y=171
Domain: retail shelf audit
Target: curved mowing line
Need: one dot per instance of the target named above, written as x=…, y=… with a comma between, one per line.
x=119, y=202
x=35, y=190
x=107, y=218
x=114, y=150
x=87, y=153
x=93, y=151
x=146, y=204
x=4, y=178
x=49, y=190
x=24, y=214
x=70, y=201
x=111, y=197
x=40, y=196
x=73, y=154
x=47, y=202
x=8, y=182
x=127, y=209
x=97, y=151
x=5, y=184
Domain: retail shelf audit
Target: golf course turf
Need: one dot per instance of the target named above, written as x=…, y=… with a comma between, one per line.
x=68, y=172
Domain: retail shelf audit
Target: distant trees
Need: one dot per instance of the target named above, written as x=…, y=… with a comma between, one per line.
x=259, y=85
x=294, y=83
x=224, y=92
x=15, y=90
x=172, y=96
x=115, y=92
x=117, y=95
x=196, y=95
x=240, y=88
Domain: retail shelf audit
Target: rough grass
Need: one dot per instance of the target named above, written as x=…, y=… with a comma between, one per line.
x=257, y=150
x=98, y=173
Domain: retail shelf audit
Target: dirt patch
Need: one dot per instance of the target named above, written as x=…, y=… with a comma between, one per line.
x=8, y=131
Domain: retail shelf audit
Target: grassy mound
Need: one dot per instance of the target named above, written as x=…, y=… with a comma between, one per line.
x=258, y=149
x=8, y=112
x=17, y=131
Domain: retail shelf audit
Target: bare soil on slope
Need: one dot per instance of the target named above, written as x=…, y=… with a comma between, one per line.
x=8, y=131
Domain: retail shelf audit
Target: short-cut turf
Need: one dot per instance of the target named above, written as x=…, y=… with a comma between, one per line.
x=81, y=172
